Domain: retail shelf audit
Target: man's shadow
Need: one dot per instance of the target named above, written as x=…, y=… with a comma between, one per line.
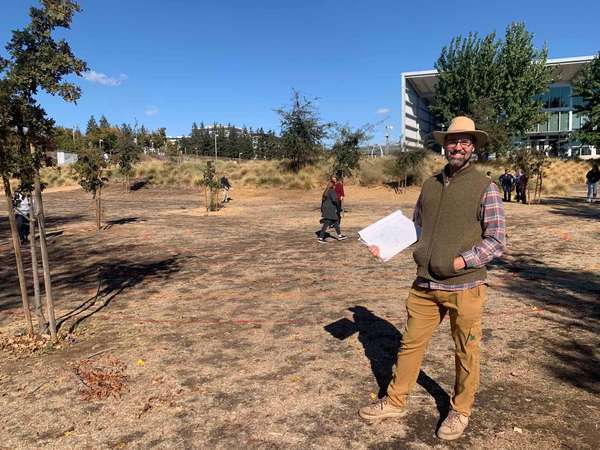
x=381, y=342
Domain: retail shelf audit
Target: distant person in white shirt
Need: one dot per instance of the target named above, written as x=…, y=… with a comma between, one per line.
x=22, y=206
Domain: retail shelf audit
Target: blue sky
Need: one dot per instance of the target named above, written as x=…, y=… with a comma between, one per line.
x=170, y=63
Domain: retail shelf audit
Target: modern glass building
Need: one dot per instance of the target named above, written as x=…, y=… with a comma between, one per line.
x=553, y=135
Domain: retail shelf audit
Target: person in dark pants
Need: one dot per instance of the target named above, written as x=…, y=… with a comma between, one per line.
x=22, y=206
x=507, y=180
x=592, y=179
x=329, y=213
x=225, y=186
x=521, y=186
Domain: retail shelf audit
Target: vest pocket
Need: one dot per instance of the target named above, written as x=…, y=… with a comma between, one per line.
x=442, y=263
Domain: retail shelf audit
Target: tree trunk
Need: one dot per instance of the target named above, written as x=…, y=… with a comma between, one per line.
x=44, y=251
x=206, y=198
x=18, y=256
x=99, y=209
x=37, y=301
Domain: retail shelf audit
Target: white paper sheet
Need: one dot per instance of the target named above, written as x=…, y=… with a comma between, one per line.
x=392, y=234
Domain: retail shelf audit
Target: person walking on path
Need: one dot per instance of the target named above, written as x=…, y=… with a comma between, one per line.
x=461, y=217
x=592, y=178
x=22, y=207
x=507, y=180
x=340, y=194
x=225, y=186
x=521, y=186
x=329, y=213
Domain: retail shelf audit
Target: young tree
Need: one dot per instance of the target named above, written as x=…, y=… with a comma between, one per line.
x=158, y=139
x=39, y=62
x=301, y=131
x=346, y=150
x=533, y=163
x=172, y=152
x=128, y=153
x=405, y=166
x=509, y=73
x=88, y=167
x=211, y=186
x=8, y=167
x=588, y=88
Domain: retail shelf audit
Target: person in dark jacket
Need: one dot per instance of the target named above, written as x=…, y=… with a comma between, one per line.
x=507, y=180
x=592, y=178
x=225, y=186
x=329, y=213
x=339, y=192
x=521, y=186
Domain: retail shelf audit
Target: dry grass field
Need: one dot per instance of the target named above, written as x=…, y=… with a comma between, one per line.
x=560, y=175
x=237, y=329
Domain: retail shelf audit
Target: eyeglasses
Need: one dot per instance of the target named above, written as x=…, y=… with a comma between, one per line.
x=463, y=142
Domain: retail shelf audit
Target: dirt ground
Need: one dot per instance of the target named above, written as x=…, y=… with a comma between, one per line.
x=238, y=329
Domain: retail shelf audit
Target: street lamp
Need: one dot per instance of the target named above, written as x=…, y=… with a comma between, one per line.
x=215, y=133
x=387, y=137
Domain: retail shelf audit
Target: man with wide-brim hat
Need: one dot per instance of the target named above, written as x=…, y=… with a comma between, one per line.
x=461, y=217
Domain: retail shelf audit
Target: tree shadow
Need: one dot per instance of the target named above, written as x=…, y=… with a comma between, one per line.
x=51, y=222
x=381, y=342
x=110, y=223
x=114, y=277
x=573, y=299
x=138, y=184
x=573, y=207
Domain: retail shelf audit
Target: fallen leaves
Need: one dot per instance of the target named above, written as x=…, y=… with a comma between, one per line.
x=101, y=378
x=25, y=344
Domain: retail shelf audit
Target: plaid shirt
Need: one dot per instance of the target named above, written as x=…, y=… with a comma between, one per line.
x=492, y=244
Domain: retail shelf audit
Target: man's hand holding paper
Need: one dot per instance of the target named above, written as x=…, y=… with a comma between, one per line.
x=389, y=236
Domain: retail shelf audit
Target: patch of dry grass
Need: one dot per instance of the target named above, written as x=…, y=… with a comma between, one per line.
x=559, y=175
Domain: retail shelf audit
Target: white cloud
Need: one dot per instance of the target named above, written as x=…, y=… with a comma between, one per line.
x=103, y=79
x=151, y=111
x=383, y=111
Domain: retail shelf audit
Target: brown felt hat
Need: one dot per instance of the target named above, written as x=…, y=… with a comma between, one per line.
x=462, y=125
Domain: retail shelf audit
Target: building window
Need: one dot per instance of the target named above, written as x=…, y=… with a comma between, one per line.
x=543, y=127
x=553, y=121
x=579, y=119
x=557, y=97
x=564, y=121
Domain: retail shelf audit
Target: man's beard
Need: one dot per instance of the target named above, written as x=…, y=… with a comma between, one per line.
x=457, y=164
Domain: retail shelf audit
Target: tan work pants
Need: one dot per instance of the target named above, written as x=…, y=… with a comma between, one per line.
x=426, y=308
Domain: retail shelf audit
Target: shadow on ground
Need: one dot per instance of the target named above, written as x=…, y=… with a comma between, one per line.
x=573, y=207
x=381, y=342
x=574, y=299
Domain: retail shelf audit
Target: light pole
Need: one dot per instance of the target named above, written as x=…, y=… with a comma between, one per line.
x=387, y=137
x=215, y=144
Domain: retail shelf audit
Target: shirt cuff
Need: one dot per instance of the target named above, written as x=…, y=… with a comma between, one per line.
x=471, y=259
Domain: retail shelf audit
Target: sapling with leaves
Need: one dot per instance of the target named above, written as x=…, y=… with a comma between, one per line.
x=405, y=165
x=128, y=153
x=89, y=171
x=346, y=150
x=8, y=167
x=38, y=62
x=211, y=186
